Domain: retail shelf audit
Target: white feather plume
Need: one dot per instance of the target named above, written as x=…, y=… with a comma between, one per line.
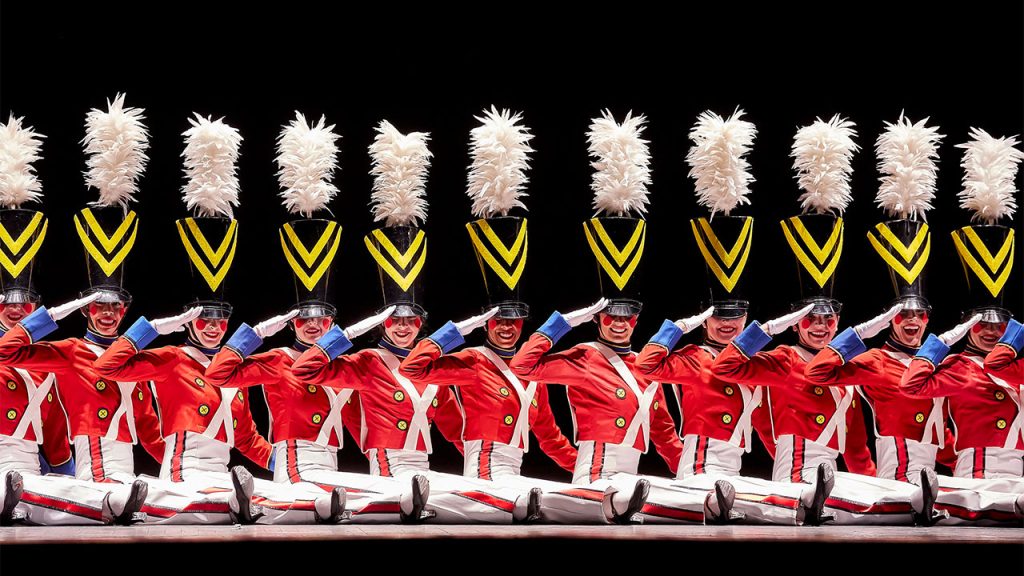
x=990, y=167
x=501, y=155
x=822, y=154
x=717, y=160
x=19, y=148
x=622, y=163
x=306, y=159
x=907, y=153
x=399, y=166
x=116, y=142
x=211, y=151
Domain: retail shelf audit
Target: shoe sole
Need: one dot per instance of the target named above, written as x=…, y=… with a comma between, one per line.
x=242, y=481
x=14, y=489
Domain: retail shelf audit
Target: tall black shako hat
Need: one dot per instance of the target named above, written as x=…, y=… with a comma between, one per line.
x=22, y=231
x=617, y=234
x=307, y=157
x=210, y=236
x=399, y=248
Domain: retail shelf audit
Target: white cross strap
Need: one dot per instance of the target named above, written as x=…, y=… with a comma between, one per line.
x=124, y=409
x=32, y=415
x=641, y=421
x=521, y=434
x=223, y=418
x=1016, y=430
x=420, y=425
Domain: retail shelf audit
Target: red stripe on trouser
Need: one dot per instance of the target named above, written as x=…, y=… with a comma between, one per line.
x=489, y=500
x=485, y=459
x=901, y=459
x=968, y=514
x=597, y=461
x=308, y=505
x=583, y=494
x=797, y=473
x=292, y=457
x=61, y=505
x=179, y=451
x=979, y=462
x=701, y=456
x=771, y=500
x=193, y=508
x=874, y=508
x=382, y=462
x=96, y=454
x=674, y=513
x=379, y=508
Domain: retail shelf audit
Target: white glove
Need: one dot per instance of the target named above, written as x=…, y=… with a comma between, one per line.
x=364, y=326
x=872, y=327
x=3, y=297
x=474, y=322
x=584, y=315
x=272, y=326
x=58, y=312
x=176, y=323
x=953, y=335
x=688, y=324
x=782, y=323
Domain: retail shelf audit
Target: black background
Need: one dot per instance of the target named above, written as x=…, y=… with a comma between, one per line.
x=256, y=66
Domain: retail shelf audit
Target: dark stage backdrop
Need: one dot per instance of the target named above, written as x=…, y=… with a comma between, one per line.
x=256, y=67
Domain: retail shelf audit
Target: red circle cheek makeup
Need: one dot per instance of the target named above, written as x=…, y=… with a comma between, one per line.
x=805, y=323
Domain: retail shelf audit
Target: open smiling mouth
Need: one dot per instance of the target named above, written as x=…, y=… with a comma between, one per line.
x=618, y=331
x=105, y=322
x=911, y=330
x=726, y=330
x=818, y=333
x=505, y=334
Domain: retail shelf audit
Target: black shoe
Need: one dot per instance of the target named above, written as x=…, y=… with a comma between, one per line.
x=824, y=480
x=338, y=512
x=725, y=497
x=420, y=494
x=533, y=513
x=929, y=492
x=132, y=506
x=242, y=481
x=636, y=503
x=15, y=487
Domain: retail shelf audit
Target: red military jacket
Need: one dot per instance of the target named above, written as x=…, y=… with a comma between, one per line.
x=603, y=405
x=491, y=405
x=710, y=406
x=388, y=411
x=1004, y=359
x=14, y=402
x=91, y=400
x=187, y=403
x=298, y=411
x=982, y=407
x=799, y=407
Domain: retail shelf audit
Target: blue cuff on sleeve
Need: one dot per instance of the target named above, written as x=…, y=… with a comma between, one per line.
x=334, y=343
x=38, y=324
x=245, y=340
x=668, y=335
x=555, y=327
x=141, y=333
x=67, y=468
x=848, y=345
x=933, y=350
x=752, y=339
x=1014, y=336
x=447, y=337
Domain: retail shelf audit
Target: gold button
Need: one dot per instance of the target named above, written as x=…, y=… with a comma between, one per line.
x=349, y=401
x=760, y=404
x=504, y=391
x=241, y=398
x=620, y=422
x=1000, y=395
x=317, y=418
x=1001, y=424
x=509, y=419
x=403, y=425
x=12, y=385
x=204, y=409
x=919, y=417
x=434, y=402
x=311, y=389
x=101, y=385
x=534, y=402
x=853, y=403
x=399, y=396
x=200, y=383
x=818, y=390
x=102, y=413
x=234, y=423
x=620, y=393
x=820, y=419
x=12, y=414
x=49, y=397
x=141, y=397
x=727, y=418
x=656, y=404
x=729, y=390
